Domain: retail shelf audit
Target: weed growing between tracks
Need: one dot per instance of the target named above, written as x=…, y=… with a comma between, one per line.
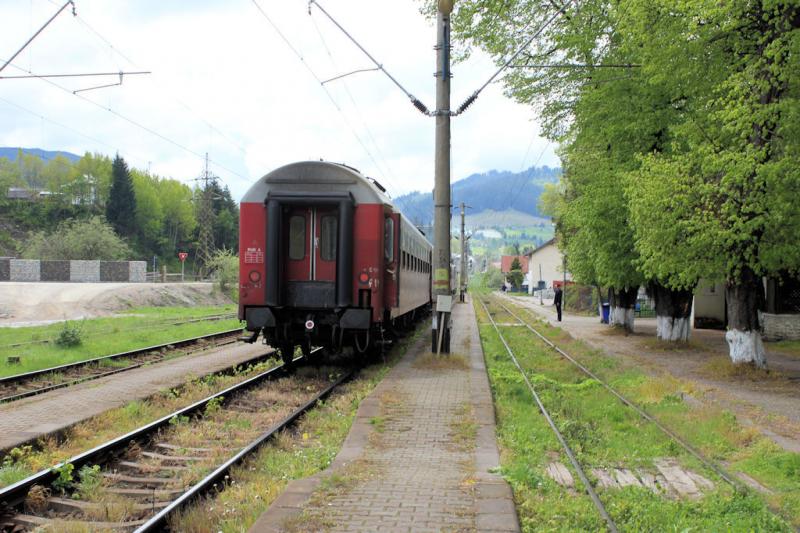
x=27, y=460
x=605, y=434
x=104, y=336
x=307, y=449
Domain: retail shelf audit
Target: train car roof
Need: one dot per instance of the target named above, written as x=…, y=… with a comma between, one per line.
x=317, y=176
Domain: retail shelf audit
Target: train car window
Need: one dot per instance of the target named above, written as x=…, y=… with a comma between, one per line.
x=388, y=240
x=327, y=237
x=297, y=237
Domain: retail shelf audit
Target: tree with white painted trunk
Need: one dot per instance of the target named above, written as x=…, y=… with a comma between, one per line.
x=679, y=127
x=725, y=208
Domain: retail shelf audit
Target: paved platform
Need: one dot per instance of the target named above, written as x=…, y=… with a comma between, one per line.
x=418, y=457
x=56, y=410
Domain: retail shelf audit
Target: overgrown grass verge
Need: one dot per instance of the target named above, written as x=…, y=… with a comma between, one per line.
x=790, y=348
x=138, y=328
x=27, y=460
x=606, y=434
x=296, y=454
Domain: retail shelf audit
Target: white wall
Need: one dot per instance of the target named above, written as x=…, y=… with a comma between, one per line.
x=709, y=302
x=552, y=264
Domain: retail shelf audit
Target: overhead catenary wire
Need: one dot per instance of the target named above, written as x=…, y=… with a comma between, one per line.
x=68, y=128
x=116, y=50
x=135, y=123
x=391, y=176
x=414, y=100
x=474, y=96
x=314, y=75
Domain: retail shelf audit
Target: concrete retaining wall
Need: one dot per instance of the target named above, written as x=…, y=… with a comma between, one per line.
x=84, y=271
x=137, y=271
x=72, y=271
x=54, y=271
x=25, y=270
x=780, y=327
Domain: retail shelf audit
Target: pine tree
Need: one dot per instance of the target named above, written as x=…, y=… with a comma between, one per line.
x=121, y=205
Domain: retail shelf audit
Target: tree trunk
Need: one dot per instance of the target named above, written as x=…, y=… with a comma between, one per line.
x=673, y=312
x=623, y=306
x=744, y=299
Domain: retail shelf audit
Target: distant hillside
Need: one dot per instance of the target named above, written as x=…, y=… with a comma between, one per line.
x=47, y=155
x=498, y=191
x=509, y=218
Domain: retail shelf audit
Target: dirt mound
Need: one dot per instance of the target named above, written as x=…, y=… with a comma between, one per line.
x=36, y=303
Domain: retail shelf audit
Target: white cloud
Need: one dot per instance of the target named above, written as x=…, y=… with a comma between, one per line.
x=224, y=62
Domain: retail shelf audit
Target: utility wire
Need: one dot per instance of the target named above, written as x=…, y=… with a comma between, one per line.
x=389, y=171
x=317, y=78
x=474, y=96
x=183, y=104
x=579, y=65
x=135, y=123
x=29, y=41
x=414, y=100
x=68, y=128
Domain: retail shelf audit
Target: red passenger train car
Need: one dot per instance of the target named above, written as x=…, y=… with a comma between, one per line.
x=326, y=260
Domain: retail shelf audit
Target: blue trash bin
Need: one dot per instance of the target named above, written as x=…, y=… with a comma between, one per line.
x=606, y=313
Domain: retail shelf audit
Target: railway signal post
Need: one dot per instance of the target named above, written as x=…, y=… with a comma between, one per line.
x=441, y=191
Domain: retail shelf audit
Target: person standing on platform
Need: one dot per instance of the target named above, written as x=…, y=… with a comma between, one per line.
x=557, y=301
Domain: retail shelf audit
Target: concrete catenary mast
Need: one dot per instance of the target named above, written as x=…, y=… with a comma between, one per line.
x=441, y=191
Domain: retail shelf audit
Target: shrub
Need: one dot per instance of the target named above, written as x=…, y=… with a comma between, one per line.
x=90, y=239
x=71, y=334
x=225, y=266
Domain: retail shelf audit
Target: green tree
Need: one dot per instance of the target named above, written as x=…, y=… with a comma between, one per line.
x=149, y=212
x=91, y=239
x=724, y=207
x=121, y=205
x=178, y=212
x=224, y=266
x=516, y=276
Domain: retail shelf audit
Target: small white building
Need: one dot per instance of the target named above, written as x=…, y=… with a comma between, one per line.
x=545, y=265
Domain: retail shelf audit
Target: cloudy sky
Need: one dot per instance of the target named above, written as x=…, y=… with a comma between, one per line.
x=224, y=82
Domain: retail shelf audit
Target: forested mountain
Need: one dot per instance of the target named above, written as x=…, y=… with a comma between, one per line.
x=12, y=152
x=494, y=190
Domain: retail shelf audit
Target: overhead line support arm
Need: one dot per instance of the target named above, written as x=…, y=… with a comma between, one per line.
x=24, y=46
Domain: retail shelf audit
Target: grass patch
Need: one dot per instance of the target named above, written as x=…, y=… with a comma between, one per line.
x=672, y=346
x=720, y=366
x=791, y=348
x=138, y=328
x=430, y=361
x=464, y=428
x=605, y=433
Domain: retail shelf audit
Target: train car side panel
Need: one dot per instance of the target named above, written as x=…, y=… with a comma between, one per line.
x=252, y=270
x=368, y=258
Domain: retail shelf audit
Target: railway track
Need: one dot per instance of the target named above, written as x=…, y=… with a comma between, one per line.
x=142, y=479
x=28, y=384
x=727, y=477
x=567, y=449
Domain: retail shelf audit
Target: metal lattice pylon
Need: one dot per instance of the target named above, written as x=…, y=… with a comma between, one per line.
x=205, y=218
